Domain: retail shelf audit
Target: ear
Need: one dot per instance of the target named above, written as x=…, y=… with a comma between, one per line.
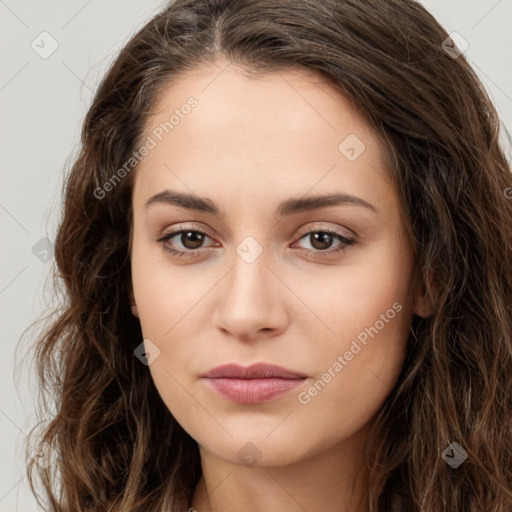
x=422, y=305
x=135, y=311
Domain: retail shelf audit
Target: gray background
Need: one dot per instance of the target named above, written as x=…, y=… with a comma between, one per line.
x=43, y=101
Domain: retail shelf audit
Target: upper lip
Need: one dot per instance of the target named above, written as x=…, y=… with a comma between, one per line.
x=254, y=371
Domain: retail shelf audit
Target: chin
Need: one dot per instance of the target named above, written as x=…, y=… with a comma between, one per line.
x=259, y=449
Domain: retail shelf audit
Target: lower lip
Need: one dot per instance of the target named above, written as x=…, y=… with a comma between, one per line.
x=253, y=391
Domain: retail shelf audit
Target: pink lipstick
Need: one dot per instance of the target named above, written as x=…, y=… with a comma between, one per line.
x=254, y=384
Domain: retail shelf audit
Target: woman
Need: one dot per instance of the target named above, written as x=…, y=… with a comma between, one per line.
x=286, y=247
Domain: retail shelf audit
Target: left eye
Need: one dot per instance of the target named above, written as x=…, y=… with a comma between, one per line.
x=321, y=240
x=192, y=240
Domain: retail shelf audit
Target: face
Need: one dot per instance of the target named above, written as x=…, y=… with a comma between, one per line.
x=322, y=288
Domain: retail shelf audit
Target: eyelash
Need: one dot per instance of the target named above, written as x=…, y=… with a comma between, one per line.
x=346, y=242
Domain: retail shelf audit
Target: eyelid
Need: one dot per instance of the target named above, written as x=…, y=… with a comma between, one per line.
x=322, y=227
x=184, y=227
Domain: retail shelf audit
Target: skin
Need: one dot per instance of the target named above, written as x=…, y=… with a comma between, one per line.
x=251, y=143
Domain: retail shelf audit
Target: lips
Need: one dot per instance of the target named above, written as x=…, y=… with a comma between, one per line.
x=254, y=384
x=255, y=371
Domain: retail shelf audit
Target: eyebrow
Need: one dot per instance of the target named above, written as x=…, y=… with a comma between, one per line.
x=287, y=207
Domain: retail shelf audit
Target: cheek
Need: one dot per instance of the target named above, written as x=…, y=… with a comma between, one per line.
x=169, y=302
x=354, y=377
x=369, y=312
x=164, y=293
x=372, y=288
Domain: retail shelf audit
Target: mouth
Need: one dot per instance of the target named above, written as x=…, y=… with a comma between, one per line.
x=253, y=384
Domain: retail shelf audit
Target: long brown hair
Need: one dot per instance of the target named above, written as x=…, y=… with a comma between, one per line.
x=114, y=444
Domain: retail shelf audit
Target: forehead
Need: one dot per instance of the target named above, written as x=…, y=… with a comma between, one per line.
x=291, y=102
x=259, y=136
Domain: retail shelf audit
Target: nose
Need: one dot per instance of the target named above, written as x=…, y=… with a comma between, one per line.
x=252, y=301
